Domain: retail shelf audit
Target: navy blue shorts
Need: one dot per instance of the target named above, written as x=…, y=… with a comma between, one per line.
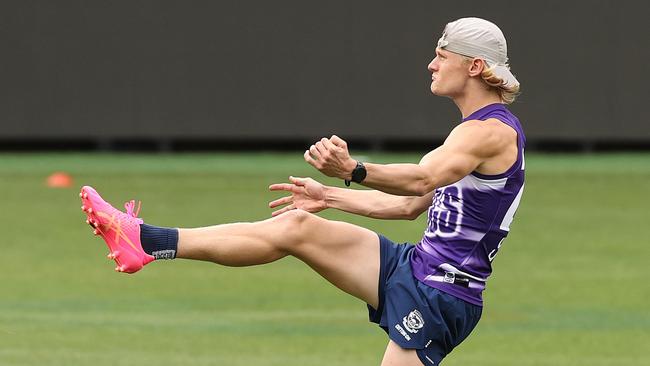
x=417, y=316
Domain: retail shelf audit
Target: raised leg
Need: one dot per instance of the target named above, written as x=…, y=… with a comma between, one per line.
x=346, y=255
x=398, y=356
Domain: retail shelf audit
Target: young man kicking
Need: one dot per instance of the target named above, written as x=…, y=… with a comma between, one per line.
x=428, y=296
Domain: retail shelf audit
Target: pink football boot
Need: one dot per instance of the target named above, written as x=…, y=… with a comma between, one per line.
x=120, y=231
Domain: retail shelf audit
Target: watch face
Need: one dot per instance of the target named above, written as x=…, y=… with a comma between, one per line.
x=359, y=173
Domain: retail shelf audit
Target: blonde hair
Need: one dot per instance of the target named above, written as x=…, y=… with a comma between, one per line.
x=508, y=94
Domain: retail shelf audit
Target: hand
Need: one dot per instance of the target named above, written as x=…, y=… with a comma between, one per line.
x=306, y=194
x=331, y=157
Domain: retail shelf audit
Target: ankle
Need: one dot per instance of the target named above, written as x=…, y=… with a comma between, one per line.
x=160, y=242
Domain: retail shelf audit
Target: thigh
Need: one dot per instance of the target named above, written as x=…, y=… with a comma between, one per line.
x=346, y=255
x=398, y=356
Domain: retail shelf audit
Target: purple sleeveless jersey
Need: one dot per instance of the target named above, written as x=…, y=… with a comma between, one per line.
x=468, y=221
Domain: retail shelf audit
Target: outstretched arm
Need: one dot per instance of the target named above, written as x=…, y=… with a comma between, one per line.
x=309, y=195
x=467, y=147
x=377, y=204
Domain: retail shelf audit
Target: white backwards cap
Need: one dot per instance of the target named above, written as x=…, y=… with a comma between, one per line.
x=476, y=37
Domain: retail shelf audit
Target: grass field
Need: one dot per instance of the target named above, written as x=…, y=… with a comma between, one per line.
x=570, y=285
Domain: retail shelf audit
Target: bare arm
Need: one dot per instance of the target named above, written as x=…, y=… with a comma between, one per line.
x=467, y=147
x=309, y=195
x=377, y=204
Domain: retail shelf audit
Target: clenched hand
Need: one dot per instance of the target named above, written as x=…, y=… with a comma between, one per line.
x=331, y=157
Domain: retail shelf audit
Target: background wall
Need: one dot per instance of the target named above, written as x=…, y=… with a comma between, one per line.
x=168, y=70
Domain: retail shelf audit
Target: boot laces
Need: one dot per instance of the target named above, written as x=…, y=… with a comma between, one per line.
x=130, y=205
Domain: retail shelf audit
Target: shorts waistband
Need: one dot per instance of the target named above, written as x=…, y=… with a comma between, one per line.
x=454, y=278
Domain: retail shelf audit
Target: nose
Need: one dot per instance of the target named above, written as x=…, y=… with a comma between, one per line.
x=433, y=65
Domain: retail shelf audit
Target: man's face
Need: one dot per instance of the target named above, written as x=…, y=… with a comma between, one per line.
x=449, y=73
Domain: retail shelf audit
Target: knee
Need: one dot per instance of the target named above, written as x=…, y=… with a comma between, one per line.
x=295, y=226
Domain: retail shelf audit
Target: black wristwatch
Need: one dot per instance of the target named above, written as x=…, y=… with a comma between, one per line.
x=358, y=174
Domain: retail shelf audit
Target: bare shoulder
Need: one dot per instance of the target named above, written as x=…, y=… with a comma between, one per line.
x=490, y=136
x=490, y=128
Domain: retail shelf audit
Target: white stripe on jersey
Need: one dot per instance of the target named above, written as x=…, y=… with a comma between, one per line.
x=510, y=214
x=479, y=184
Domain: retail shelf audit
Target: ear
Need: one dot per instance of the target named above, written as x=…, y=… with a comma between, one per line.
x=476, y=67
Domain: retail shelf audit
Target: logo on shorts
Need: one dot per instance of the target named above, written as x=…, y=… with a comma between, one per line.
x=402, y=332
x=413, y=322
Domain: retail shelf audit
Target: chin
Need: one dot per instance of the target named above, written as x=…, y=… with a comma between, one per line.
x=435, y=89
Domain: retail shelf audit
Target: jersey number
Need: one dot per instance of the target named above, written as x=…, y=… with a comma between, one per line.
x=446, y=213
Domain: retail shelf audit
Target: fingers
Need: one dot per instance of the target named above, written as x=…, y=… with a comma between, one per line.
x=328, y=145
x=281, y=187
x=298, y=181
x=309, y=159
x=281, y=201
x=289, y=187
x=315, y=152
x=322, y=149
x=322, y=154
x=282, y=210
x=338, y=141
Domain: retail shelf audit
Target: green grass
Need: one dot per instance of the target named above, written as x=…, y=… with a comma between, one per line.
x=570, y=285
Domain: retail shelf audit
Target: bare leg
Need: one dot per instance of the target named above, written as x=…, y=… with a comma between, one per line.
x=398, y=356
x=346, y=255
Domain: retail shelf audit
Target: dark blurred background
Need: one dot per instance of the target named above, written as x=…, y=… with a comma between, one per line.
x=201, y=75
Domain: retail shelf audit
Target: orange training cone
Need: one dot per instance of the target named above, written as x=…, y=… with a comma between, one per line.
x=59, y=180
